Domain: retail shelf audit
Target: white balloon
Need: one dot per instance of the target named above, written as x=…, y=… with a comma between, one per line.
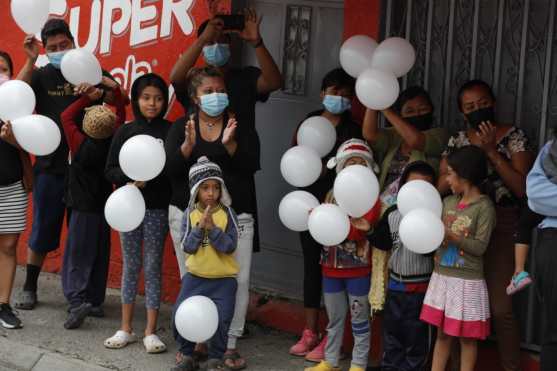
x=37, y=134
x=394, y=54
x=300, y=166
x=197, y=319
x=30, y=15
x=142, y=157
x=377, y=89
x=294, y=209
x=328, y=224
x=80, y=66
x=419, y=194
x=356, y=54
x=356, y=190
x=17, y=99
x=421, y=231
x=317, y=133
x=125, y=209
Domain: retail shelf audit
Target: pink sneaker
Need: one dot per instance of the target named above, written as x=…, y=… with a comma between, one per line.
x=307, y=342
x=318, y=353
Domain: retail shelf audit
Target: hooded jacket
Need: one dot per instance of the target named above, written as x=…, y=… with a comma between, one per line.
x=156, y=191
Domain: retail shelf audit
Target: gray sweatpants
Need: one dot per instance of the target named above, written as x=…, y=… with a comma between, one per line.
x=340, y=295
x=151, y=234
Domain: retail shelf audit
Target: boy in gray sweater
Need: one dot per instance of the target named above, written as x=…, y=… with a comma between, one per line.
x=406, y=339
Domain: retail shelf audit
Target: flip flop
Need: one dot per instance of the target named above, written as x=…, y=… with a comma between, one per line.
x=25, y=300
x=234, y=357
x=519, y=282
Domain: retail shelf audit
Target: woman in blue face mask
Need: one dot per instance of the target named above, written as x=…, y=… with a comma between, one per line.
x=337, y=93
x=211, y=130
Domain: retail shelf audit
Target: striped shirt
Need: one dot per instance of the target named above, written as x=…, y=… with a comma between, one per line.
x=404, y=265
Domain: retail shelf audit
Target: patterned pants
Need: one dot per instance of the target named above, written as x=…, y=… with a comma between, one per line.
x=152, y=233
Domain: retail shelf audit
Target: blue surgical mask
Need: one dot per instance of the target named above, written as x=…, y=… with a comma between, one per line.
x=217, y=54
x=336, y=104
x=214, y=104
x=55, y=58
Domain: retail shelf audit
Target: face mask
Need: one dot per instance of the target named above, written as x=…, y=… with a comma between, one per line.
x=421, y=122
x=217, y=54
x=214, y=104
x=336, y=104
x=56, y=58
x=4, y=78
x=475, y=118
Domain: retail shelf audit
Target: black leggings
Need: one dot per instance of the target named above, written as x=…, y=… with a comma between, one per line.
x=546, y=280
x=312, y=271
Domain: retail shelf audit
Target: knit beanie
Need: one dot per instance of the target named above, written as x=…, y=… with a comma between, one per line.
x=353, y=148
x=204, y=170
x=99, y=122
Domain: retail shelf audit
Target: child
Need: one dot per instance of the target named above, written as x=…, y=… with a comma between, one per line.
x=337, y=92
x=457, y=300
x=346, y=272
x=523, y=237
x=210, y=238
x=87, y=253
x=406, y=339
x=149, y=96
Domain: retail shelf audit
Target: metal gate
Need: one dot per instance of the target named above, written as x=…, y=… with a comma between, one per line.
x=509, y=44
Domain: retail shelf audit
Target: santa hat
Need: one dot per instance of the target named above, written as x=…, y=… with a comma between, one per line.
x=353, y=148
x=204, y=170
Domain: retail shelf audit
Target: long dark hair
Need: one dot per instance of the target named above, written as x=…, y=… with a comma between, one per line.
x=470, y=163
x=150, y=79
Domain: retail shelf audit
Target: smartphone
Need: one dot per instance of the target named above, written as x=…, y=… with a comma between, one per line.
x=233, y=21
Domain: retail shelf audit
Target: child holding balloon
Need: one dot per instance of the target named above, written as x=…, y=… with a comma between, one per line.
x=406, y=339
x=87, y=253
x=149, y=96
x=210, y=238
x=346, y=272
x=457, y=300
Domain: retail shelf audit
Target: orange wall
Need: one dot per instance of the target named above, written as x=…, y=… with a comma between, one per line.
x=127, y=61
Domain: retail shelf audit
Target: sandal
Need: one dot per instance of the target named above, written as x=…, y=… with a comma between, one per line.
x=215, y=365
x=120, y=339
x=153, y=344
x=519, y=282
x=234, y=357
x=185, y=363
x=26, y=300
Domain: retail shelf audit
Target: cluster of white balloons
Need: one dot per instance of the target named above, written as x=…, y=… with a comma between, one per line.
x=141, y=158
x=356, y=188
x=377, y=67
x=421, y=229
x=36, y=134
x=197, y=319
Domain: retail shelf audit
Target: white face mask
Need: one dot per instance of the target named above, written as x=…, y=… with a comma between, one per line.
x=4, y=78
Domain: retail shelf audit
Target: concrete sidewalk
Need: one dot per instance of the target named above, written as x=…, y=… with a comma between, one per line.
x=44, y=345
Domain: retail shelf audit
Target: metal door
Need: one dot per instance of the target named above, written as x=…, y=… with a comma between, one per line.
x=304, y=38
x=508, y=43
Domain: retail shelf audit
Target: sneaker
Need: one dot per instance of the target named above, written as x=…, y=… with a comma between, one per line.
x=307, y=342
x=519, y=282
x=8, y=318
x=77, y=316
x=317, y=354
x=97, y=312
x=322, y=366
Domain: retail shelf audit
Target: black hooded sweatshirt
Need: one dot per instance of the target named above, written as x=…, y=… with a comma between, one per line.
x=157, y=191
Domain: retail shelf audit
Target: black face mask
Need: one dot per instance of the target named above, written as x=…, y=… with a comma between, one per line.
x=475, y=118
x=421, y=122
